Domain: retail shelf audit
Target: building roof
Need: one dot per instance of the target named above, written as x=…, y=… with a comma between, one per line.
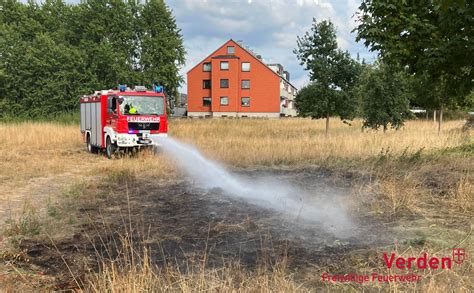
x=233, y=56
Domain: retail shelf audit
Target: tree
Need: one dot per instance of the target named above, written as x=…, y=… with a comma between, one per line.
x=385, y=97
x=333, y=74
x=162, y=51
x=108, y=40
x=433, y=38
x=51, y=53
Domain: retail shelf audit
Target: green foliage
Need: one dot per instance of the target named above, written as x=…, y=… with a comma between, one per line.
x=466, y=149
x=316, y=101
x=64, y=118
x=160, y=39
x=385, y=97
x=27, y=224
x=332, y=71
x=121, y=175
x=55, y=52
x=434, y=39
x=408, y=157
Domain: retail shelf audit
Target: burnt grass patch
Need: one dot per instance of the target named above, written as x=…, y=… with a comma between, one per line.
x=181, y=223
x=187, y=226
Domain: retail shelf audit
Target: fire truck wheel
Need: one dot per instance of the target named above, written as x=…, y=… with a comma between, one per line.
x=90, y=148
x=110, y=148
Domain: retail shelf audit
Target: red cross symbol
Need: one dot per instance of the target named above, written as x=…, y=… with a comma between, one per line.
x=459, y=255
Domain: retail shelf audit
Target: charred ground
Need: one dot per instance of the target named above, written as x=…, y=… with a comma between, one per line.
x=187, y=227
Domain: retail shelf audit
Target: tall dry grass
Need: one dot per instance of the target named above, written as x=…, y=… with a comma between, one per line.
x=134, y=272
x=302, y=141
x=240, y=142
x=41, y=149
x=35, y=149
x=31, y=150
x=144, y=277
x=47, y=150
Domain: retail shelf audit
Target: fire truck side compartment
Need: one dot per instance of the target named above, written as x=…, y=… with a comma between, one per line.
x=83, y=117
x=91, y=120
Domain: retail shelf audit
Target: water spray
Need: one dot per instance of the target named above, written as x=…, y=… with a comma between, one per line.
x=291, y=202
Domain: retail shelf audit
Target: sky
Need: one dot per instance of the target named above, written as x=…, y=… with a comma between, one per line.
x=268, y=27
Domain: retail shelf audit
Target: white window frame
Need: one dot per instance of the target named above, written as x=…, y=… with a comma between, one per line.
x=224, y=97
x=222, y=63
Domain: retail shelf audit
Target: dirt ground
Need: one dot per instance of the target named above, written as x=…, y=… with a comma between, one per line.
x=37, y=191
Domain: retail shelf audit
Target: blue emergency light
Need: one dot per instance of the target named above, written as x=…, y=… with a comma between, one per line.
x=122, y=87
x=158, y=89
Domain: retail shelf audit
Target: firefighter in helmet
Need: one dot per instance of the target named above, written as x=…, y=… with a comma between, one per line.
x=132, y=110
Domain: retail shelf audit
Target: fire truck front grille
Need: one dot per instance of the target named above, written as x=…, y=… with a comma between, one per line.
x=143, y=126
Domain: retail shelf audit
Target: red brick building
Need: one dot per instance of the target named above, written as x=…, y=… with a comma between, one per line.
x=234, y=82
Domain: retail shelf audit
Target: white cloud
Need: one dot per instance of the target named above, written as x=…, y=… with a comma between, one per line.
x=300, y=81
x=270, y=27
x=284, y=39
x=321, y=4
x=343, y=43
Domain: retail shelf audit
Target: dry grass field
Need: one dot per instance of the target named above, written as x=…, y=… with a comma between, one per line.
x=302, y=141
x=418, y=183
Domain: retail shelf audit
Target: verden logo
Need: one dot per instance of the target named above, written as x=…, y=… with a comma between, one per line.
x=424, y=261
x=459, y=255
x=407, y=264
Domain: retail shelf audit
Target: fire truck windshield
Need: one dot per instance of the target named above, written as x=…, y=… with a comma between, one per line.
x=141, y=105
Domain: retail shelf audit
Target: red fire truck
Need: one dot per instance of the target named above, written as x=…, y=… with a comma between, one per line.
x=124, y=118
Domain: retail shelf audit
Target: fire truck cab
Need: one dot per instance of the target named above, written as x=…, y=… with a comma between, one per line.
x=122, y=119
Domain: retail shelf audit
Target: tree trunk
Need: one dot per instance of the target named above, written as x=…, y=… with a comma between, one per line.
x=384, y=128
x=440, y=119
x=434, y=116
x=327, y=124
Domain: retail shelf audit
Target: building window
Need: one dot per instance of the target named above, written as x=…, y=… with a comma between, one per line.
x=224, y=83
x=224, y=101
x=224, y=65
x=206, y=66
x=245, y=66
x=206, y=84
x=245, y=102
x=245, y=83
x=230, y=49
x=206, y=101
